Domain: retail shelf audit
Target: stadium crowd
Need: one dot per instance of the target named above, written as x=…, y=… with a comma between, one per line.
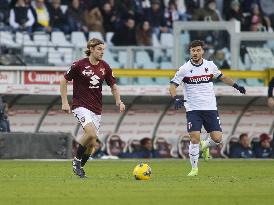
x=136, y=18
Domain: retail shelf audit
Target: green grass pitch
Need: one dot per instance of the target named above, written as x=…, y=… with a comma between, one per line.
x=222, y=182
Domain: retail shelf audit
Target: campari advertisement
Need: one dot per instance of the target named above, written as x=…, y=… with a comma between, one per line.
x=42, y=77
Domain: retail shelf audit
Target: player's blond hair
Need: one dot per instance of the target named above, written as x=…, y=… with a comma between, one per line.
x=92, y=43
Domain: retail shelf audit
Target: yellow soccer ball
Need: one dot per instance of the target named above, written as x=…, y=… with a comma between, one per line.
x=142, y=172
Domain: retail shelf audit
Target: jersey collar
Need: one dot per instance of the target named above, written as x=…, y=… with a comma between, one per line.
x=196, y=65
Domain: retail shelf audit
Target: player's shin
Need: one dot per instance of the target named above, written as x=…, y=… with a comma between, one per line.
x=89, y=151
x=194, y=155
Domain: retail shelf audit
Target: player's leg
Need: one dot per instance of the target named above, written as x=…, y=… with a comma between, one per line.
x=194, y=123
x=91, y=147
x=84, y=117
x=194, y=152
x=89, y=142
x=89, y=151
x=213, y=126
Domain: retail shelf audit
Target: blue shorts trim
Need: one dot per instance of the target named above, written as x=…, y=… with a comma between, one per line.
x=208, y=118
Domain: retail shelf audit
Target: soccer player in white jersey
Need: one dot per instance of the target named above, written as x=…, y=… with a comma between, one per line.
x=200, y=101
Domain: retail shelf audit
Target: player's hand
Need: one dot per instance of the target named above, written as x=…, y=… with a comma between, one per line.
x=241, y=89
x=121, y=106
x=66, y=108
x=179, y=102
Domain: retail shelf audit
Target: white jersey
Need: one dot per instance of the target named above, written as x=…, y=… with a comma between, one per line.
x=198, y=87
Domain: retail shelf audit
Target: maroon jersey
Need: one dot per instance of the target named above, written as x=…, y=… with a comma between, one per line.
x=87, y=83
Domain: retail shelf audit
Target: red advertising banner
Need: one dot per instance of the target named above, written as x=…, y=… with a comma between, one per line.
x=42, y=77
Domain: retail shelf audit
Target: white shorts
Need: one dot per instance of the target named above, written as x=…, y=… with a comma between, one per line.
x=85, y=116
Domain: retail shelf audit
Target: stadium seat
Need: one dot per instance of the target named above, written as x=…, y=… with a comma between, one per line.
x=78, y=39
x=55, y=58
x=122, y=58
x=115, y=146
x=23, y=39
x=216, y=152
x=67, y=54
x=58, y=38
x=134, y=145
x=108, y=38
x=142, y=58
x=41, y=39
x=231, y=142
x=7, y=40
x=166, y=39
x=108, y=57
x=162, y=147
x=157, y=53
x=95, y=34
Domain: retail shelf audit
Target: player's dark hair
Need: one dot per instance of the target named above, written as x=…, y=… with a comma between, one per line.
x=242, y=136
x=92, y=43
x=144, y=141
x=196, y=43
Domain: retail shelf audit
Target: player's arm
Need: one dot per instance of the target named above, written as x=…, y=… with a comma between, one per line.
x=64, y=95
x=172, y=90
x=174, y=83
x=116, y=94
x=227, y=80
x=69, y=76
x=270, y=99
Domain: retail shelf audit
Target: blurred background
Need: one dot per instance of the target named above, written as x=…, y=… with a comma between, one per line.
x=147, y=41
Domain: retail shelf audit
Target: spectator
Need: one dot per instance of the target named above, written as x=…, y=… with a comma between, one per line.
x=4, y=12
x=270, y=99
x=58, y=21
x=144, y=34
x=219, y=59
x=264, y=150
x=242, y=149
x=155, y=16
x=94, y=20
x=208, y=13
x=127, y=9
x=110, y=18
x=75, y=17
x=125, y=36
x=4, y=122
x=235, y=13
x=171, y=14
x=21, y=17
x=256, y=21
x=146, y=150
x=267, y=7
x=43, y=17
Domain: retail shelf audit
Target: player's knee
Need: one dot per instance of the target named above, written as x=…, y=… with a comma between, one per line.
x=91, y=135
x=195, y=140
x=195, y=137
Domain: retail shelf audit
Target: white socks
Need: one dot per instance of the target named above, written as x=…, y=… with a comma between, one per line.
x=194, y=151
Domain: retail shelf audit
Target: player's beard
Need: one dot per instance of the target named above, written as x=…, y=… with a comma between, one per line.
x=196, y=61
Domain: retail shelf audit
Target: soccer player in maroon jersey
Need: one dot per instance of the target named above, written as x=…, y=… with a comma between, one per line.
x=88, y=75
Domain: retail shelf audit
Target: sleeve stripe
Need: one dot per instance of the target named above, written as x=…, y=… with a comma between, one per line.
x=219, y=76
x=174, y=83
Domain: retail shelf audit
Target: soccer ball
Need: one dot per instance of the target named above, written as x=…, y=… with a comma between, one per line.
x=142, y=172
